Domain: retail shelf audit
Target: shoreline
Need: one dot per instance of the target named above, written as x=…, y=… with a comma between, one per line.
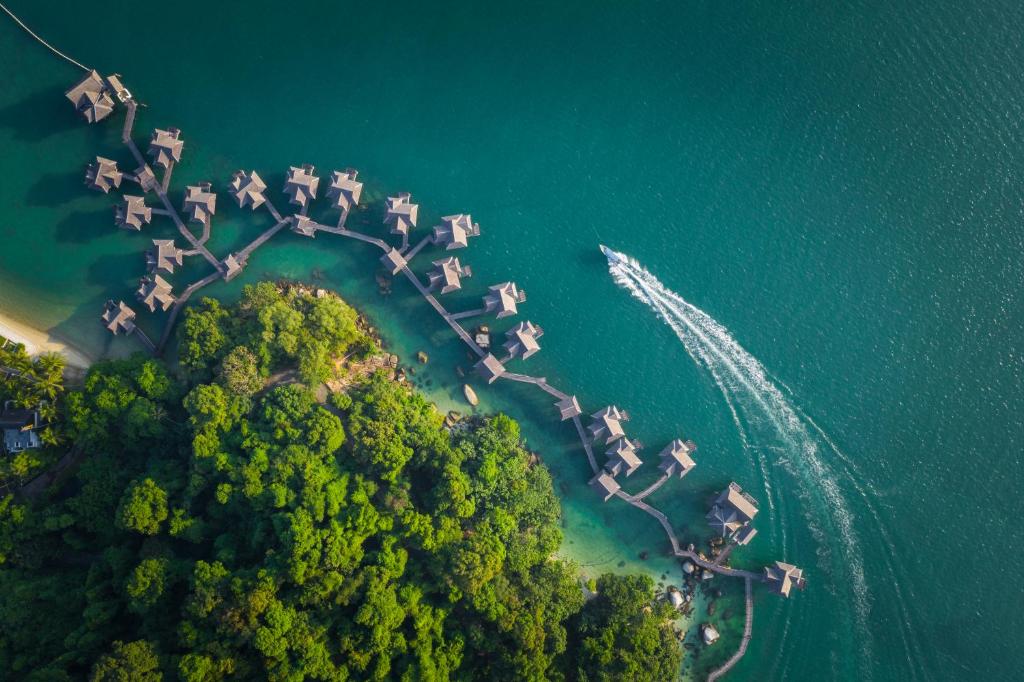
x=38, y=341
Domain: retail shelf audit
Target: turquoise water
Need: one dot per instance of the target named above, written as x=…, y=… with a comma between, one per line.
x=839, y=187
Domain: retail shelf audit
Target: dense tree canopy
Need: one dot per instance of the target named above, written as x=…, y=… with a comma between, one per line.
x=219, y=529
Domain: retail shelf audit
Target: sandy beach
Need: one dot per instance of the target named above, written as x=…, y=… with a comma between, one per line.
x=37, y=341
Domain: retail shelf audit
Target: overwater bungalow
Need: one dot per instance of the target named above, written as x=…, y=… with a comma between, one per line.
x=622, y=458
x=568, y=408
x=447, y=274
x=132, y=213
x=522, y=340
x=301, y=185
x=118, y=317
x=605, y=485
x=782, y=577
x=103, y=175
x=91, y=98
x=20, y=428
x=731, y=512
x=165, y=147
x=115, y=86
x=155, y=292
x=502, y=299
x=490, y=368
x=675, y=458
x=247, y=189
x=607, y=424
x=146, y=179
x=393, y=261
x=401, y=214
x=455, y=230
x=232, y=267
x=345, y=191
x=304, y=225
x=163, y=256
x=200, y=203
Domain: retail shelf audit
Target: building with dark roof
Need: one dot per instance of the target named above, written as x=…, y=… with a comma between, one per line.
x=607, y=424
x=146, y=179
x=163, y=256
x=91, y=98
x=247, y=189
x=155, y=292
x=522, y=340
x=622, y=458
x=732, y=511
x=455, y=230
x=165, y=147
x=132, y=213
x=200, y=203
x=501, y=299
x=301, y=185
x=103, y=175
x=675, y=458
x=19, y=429
x=447, y=274
x=118, y=317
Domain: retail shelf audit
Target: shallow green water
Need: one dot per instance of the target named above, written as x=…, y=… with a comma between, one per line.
x=838, y=186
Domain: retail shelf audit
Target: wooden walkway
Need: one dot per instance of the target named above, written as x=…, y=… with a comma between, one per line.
x=748, y=627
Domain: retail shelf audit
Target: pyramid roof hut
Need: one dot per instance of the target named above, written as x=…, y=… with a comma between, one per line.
x=200, y=203
x=622, y=458
x=568, y=407
x=118, y=317
x=490, y=368
x=401, y=213
x=91, y=97
x=247, y=189
x=607, y=424
x=232, y=267
x=605, y=485
x=675, y=458
x=344, y=190
x=103, y=175
x=155, y=292
x=732, y=511
x=501, y=299
x=132, y=213
x=447, y=274
x=455, y=230
x=146, y=179
x=304, y=225
x=163, y=256
x=165, y=147
x=782, y=577
x=522, y=340
x=301, y=185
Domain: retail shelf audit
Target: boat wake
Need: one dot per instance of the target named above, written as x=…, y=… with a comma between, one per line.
x=772, y=430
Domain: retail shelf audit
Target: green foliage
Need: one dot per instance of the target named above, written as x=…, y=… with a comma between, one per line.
x=250, y=534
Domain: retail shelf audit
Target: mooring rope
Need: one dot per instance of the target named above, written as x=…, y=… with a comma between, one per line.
x=47, y=45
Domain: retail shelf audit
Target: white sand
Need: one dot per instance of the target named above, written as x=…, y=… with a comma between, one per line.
x=37, y=341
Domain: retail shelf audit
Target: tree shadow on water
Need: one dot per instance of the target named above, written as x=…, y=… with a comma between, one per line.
x=38, y=116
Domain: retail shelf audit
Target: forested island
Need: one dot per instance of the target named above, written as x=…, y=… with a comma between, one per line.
x=226, y=518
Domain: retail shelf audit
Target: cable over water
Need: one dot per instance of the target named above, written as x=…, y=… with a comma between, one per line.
x=45, y=44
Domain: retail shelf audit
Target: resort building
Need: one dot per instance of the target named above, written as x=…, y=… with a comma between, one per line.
x=146, y=179
x=732, y=512
x=675, y=458
x=304, y=225
x=455, y=230
x=115, y=86
x=503, y=298
x=781, y=578
x=605, y=485
x=522, y=340
x=568, y=408
x=393, y=261
x=401, y=214
x=165, y=147
x=247, y=189
x=607, y=424
x=447, y=274
x=622, y=458
x=301, y=185
x=155, y=292
x=19, y=428
x=163, y=256
x=118, y=317
x=200, y=203
x=490, y=368
x=132, y=213
x=345, y=191
x=103, y=175
x=232, y=267
x=91, y=98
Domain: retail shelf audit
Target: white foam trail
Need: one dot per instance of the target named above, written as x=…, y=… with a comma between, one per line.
x=747, y=389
